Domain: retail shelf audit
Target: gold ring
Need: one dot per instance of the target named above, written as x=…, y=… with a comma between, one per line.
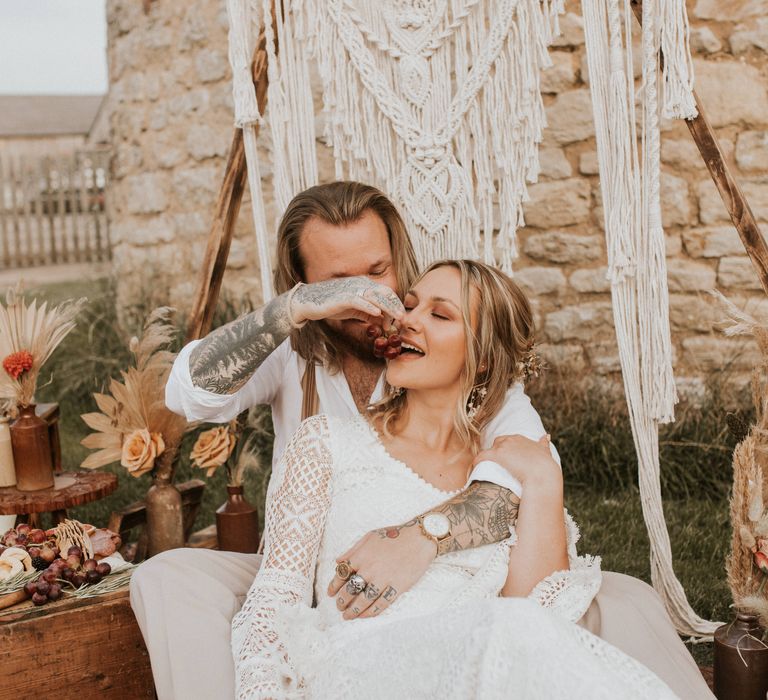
x=344, y=570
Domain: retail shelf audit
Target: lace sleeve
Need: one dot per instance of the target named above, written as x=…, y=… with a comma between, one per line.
x=570, y=592
x=294, y=522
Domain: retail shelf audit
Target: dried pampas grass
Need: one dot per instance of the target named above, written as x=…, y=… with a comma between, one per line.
x=749, y=496
x=138, y=402
x=28, y=336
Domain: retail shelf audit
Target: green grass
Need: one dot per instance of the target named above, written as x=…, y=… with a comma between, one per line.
x=588, y=424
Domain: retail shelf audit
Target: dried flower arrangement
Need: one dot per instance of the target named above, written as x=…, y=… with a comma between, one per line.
x=133, y=425
x=747, y=563
x=230, y=445
x=29, y=333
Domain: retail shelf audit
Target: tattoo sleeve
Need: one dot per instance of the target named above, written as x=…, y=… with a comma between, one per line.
x=479, y=515
x=227, y=357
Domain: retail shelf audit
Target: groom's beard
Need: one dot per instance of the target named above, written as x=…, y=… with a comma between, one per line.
x=349, y=342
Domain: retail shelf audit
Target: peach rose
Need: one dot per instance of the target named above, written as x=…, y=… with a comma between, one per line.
x=140, y=449
x=212, y=448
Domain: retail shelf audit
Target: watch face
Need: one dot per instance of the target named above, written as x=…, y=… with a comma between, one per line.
x=437, y=524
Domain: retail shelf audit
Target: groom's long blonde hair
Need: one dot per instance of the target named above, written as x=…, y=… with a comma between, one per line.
x=500, y=343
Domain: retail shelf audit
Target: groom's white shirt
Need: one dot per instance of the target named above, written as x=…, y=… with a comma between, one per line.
x=277, y=382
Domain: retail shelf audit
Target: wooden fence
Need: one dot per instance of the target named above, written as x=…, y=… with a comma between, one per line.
x=53, y=210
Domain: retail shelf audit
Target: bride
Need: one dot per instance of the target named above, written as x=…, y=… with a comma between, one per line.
x=490, y=622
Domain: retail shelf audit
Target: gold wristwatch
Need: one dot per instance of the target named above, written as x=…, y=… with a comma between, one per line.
x=437, y=527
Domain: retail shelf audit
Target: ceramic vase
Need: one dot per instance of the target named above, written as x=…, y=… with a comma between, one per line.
x=31, y=451
x=237, y=523
x=741, y=660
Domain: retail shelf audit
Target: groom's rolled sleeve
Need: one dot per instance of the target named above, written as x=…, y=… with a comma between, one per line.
x=516, y=417
x=196, y=404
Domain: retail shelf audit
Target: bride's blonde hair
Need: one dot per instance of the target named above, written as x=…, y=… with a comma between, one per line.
x=501, y=344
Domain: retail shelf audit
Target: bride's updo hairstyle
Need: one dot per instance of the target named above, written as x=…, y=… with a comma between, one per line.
x=501, y=344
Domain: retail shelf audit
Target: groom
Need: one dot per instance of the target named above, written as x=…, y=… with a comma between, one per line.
x=343, y=259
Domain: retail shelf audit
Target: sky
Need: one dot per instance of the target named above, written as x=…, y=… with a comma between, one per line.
x=53, y=47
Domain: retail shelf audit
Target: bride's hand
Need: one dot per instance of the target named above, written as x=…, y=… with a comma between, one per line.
x=529, y=461
x=390, y=560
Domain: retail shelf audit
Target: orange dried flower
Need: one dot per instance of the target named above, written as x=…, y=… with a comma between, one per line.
x=18, y=362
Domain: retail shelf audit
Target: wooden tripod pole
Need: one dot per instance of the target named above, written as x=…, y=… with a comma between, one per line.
x=227, y=209
x=735, y=202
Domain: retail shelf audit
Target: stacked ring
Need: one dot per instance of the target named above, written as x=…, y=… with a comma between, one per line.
x=356, y=584
x=344, y=570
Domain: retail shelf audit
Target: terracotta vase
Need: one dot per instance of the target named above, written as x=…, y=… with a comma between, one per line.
x=237, y=523
x=165, y=524
x=31, y=451
x=741, y=660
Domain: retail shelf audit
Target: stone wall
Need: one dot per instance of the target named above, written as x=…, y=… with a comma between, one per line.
x=171, y=123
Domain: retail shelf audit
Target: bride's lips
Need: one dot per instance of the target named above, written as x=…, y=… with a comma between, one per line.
x=405, y=354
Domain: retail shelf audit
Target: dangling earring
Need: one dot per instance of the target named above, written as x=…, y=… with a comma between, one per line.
x=476, y=397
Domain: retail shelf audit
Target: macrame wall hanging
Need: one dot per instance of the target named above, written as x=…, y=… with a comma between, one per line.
x=438, y=103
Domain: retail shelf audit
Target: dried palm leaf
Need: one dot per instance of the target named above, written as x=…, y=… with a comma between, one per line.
x=138, y=401
x=30, y=333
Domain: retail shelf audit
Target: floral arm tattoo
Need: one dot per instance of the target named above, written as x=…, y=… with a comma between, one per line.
x=481, y=514
x=227, y=357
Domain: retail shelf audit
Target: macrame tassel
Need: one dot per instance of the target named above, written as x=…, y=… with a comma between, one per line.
x=242, y=21
x=637, y=271
x=678, y=101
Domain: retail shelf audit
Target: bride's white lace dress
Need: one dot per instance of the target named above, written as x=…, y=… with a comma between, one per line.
x=451, y=636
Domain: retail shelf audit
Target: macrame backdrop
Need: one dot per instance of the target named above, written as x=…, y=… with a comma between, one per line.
x=438, y=103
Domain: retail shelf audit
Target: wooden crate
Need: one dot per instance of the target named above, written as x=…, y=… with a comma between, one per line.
x=74, y=649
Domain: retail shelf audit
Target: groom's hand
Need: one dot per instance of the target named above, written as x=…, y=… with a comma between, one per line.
x=390, y=560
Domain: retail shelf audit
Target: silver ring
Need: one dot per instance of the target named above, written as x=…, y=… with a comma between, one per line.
x=356, y=584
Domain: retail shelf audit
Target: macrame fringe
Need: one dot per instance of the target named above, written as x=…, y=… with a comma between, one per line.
x=637, y=264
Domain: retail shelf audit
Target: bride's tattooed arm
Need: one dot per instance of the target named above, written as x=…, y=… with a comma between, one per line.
x=227, y=357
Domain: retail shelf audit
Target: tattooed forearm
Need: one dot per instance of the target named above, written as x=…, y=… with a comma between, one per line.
x=479, y=515
x=227, y=357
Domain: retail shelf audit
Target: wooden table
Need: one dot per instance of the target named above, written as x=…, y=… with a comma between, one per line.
x=70, y=489
x=74, y=648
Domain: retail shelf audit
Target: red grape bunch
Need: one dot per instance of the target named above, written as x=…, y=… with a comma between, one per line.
x=72, y=571
x=386, y=344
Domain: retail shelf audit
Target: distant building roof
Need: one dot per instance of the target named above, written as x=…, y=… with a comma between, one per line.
x=48, y=115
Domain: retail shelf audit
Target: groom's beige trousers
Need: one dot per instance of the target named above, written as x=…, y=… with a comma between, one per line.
x=184, y=601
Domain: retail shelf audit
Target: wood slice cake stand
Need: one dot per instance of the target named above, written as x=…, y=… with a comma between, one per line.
x=70, y=489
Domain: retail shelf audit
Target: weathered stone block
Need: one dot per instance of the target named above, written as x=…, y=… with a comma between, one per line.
x=211, y=65
x=204, y=141
x=571, y=31
x=703, y=40
x=582, y=322
x=588, y=164
x=710, y=353
x=590, y=281
x=536, y=281
x=689, y=276
x=569, y=117
x=199, y=185
x=693, y=313
x=755, y=37
x=554, y=164
x=561, y=75
x=675, y=203
x=604, y=357
x=732, y=91
x=562, y=356
x=712, y=242
x=559, y=203
x=158, y=229
x=680, y=153
x=752, y=150
x=731, y=11
x=558, y=247
x=191, y=224
x=738, y=273
x=711, y=207
x=673, y=244
x=146, y=193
